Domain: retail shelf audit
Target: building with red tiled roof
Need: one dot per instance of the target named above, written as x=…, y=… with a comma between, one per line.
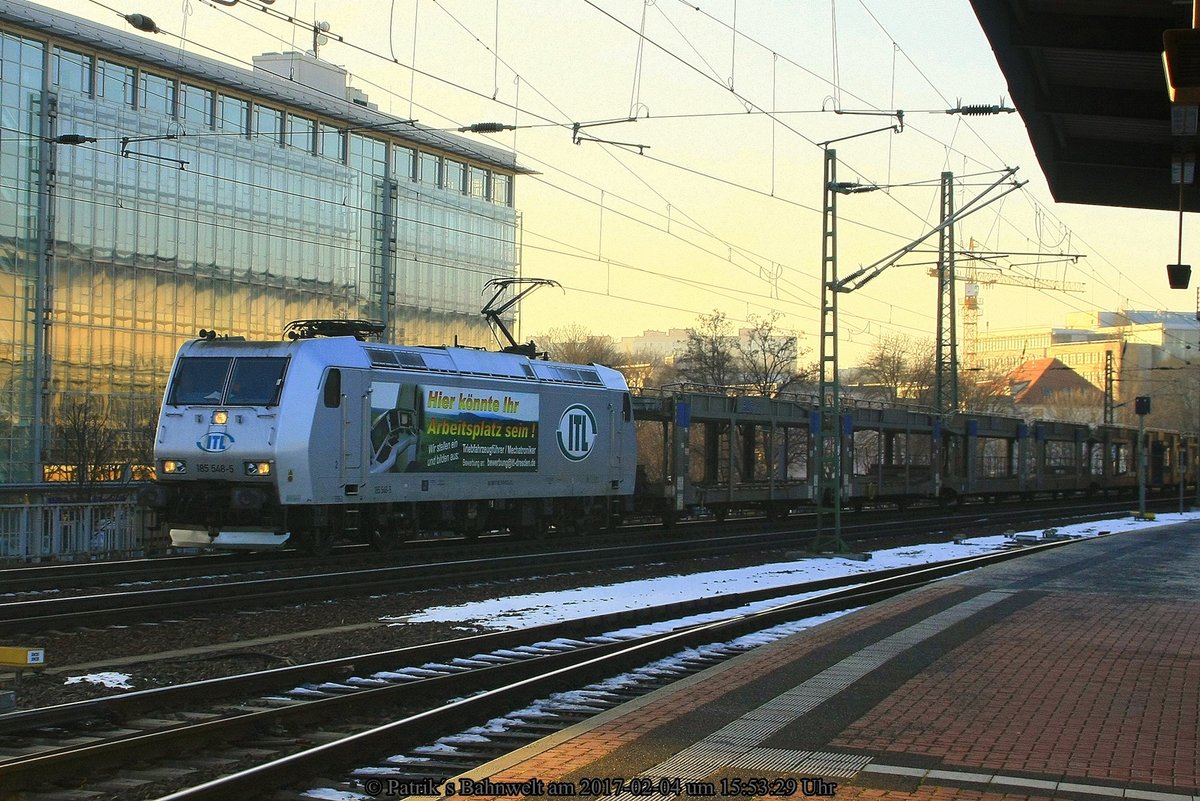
x=1049, y=388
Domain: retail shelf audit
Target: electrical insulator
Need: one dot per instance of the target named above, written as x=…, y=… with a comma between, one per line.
x=141, y=22
x=485, y=127
x=72, y=139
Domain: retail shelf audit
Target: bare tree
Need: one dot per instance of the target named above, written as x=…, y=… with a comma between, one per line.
x=1073, y=405
x=902, y=367
x=83, y=441
x=137, y=421
x=576, y=344
x=1174, y=390
x=985, y=392
x=709, y=355
x=768, y=356
x=645, y=368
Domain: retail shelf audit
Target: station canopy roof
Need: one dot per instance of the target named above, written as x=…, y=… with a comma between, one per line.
x=1087, y=77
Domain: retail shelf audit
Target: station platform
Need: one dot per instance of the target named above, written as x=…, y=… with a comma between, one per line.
x=1074, y=673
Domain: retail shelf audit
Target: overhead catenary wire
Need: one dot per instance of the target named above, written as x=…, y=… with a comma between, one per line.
x=692, y=6
x=516, y=109
x=341, y=38
x=343, y=41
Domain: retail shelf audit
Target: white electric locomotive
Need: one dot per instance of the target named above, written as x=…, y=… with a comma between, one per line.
x=266, y=444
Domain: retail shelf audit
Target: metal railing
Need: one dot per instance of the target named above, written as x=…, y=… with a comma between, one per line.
x=46, y=529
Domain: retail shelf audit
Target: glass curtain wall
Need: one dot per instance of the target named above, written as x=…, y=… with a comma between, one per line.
x=22, y=66
x=196, y=208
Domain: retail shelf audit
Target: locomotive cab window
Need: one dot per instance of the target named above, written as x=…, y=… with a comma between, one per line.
x=199, y=381
x=256, y=381
x=333, y=388
x=245, y=381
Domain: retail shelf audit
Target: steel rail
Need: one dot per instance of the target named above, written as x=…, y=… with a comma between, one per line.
x=38, y=614
x=415, y=729
x=140, y=701
x=25, y=772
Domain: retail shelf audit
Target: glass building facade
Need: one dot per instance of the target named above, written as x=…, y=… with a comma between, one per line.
x=207, y=196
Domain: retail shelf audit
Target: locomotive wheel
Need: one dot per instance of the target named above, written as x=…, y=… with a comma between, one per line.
x=536, y=530
x=568, y=517
x=581, y=516
x=382, y=539
x=471, y=519
x=530, y=521
x=316, y=541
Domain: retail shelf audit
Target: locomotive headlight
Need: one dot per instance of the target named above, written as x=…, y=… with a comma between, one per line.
x=258, y=468
x=220, y=417
x=174, y=467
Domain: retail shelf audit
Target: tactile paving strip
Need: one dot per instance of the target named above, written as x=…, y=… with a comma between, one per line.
x=737, y=744
x=805, y=763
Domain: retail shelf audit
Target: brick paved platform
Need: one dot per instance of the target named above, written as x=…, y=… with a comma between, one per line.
x=1074, y=674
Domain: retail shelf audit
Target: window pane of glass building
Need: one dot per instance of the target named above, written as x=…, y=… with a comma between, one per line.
x=115, y=82
x=501, y=189
x=404, y=165
x=20, y=87
x=300, y=132
x=71, y=71
x=233, y=115
x=479, y=182
x=431, y=169
x=156, y=94
x=331, y=142
x=268, y=123
x=456, y=176
x=196, y=106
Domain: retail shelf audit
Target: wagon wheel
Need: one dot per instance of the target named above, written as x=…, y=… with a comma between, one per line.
x=669, y=516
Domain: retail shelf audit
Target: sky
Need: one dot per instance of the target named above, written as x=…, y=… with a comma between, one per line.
x=711, y=199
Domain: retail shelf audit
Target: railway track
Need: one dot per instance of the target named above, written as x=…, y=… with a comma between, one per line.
x=396, y=699
x=490, y=561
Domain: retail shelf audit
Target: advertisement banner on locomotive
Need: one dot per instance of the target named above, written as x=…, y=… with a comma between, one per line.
x=443, y=429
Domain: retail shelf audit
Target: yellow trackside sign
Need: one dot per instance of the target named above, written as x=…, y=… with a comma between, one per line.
x=19, y=657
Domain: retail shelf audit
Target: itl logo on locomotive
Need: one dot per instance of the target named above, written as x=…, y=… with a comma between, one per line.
x=214, y=442
x=576, y=432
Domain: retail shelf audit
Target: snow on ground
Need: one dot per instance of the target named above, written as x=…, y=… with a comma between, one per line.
x=521, y=611
x=532, y=609
x=535, y=608
x=118, y=681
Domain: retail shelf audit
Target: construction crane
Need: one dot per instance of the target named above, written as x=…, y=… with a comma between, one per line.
x=973, y=277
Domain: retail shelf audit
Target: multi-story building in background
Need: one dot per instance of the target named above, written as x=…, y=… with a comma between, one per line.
x=147, y=192
x=1152, y=353
x=1137, y=340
